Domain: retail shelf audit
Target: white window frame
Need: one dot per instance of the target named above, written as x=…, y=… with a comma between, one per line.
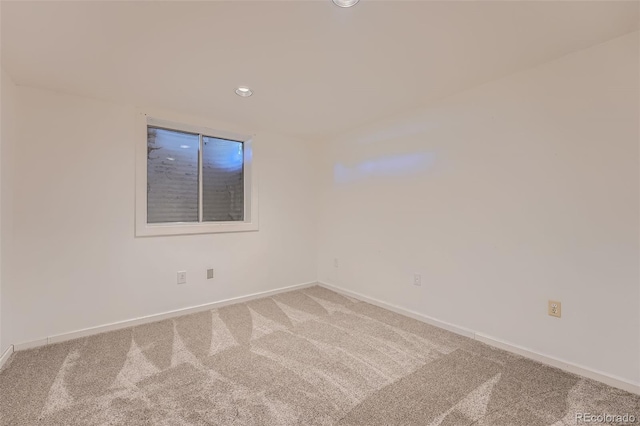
x=144, y=229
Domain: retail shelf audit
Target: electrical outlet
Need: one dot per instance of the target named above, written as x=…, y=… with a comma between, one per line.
x=417, y=279
x=182, y=277
x=209, y=273
x=335, y=263
x=555, y=308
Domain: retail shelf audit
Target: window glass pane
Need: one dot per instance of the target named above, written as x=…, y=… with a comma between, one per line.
x=223, y=180
x=172, y=176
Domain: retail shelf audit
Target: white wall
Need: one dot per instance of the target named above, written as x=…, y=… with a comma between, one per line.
x=76, y=261
x=7, y=138
x=502, y=197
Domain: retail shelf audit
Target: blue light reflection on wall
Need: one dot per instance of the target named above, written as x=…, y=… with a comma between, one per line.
x=396, y=165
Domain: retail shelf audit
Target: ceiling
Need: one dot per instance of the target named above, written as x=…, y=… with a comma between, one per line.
x=317, y=70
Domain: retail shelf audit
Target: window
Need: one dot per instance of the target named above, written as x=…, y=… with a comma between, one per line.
x=193, y=180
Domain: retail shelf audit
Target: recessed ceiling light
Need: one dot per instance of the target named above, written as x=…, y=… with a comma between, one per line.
x=244, y=91
x=345, y=3
x=184, y=146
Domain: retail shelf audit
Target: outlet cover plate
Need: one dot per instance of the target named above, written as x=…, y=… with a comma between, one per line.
x=417, y=279
x=209, y=273
x=555, y=308
x=182, y=277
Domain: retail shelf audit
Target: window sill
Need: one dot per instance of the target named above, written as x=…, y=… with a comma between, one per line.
x=156, y=230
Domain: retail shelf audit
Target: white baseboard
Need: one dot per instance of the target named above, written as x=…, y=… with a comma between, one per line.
x=570, y=367
x=153, y=318
x=5, y=356
x=30, y=344
x=509, y=347
x=402, y=311
x=580, y=370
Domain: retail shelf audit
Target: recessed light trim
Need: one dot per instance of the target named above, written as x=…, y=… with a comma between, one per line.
x=345, y=3
x=244, y=91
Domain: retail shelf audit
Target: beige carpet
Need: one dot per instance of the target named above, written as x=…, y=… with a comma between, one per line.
x=307, y=357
